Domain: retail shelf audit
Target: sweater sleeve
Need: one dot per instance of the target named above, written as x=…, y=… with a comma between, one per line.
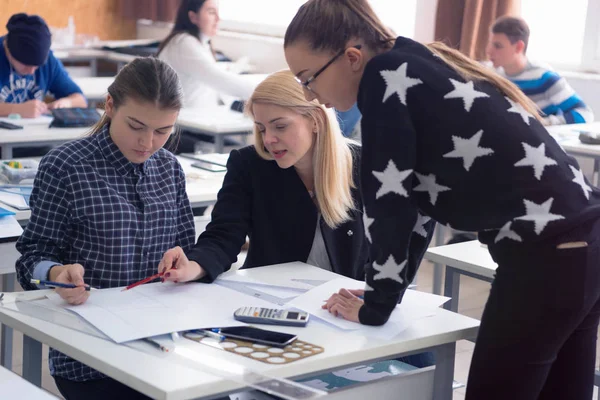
x=398, y=233
x=218, y=246
x=190, y=58
x=564, y=104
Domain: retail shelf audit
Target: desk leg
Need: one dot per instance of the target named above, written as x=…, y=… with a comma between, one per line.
x=452, y=288
x=32, y=361
x=444, y=371
x=7, y=152
x=438, y=269
x=6, y=347
x=94, y=67
x=596, y=174
x=219, y=143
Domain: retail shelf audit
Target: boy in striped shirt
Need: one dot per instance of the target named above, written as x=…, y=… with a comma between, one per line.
x=552, y=94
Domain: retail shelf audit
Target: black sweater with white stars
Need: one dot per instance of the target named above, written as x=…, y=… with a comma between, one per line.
x=439, y=148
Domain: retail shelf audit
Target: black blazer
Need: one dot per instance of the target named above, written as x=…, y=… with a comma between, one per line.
x=272, y=206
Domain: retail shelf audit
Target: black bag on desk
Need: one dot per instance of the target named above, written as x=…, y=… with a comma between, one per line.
x=74, y=117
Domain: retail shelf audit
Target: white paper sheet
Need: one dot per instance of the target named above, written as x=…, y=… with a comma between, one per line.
x=14, y=200
x=43, y=120
x=10, y=227
x=414, y=306
x=160, y=308
x=295, y=275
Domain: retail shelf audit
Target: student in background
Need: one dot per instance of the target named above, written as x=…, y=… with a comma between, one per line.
x=29, y=71
x=105, y=208
x=555, y=98
x=445, y=138
x=188, y=50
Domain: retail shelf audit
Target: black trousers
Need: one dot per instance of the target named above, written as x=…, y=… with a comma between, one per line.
x=539, y=329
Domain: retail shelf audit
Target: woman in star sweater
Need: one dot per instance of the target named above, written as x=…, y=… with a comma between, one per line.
x=446, y=139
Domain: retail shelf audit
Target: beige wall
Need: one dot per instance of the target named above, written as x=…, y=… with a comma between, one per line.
x=92, y=17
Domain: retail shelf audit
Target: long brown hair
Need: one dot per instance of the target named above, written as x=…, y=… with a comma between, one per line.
x=328, y=25
x=147, y=80
x=332, y=156
x=183, y=24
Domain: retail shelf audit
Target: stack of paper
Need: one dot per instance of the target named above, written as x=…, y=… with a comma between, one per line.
x=9, y=226
x=160, y=308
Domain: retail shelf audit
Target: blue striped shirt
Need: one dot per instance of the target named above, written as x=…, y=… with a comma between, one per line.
x=552, y=94
x=91, y=206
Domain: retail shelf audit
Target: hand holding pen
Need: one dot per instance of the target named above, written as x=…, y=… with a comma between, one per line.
x=70, y=274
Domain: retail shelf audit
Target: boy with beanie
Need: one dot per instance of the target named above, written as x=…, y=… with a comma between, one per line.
x=29, y=71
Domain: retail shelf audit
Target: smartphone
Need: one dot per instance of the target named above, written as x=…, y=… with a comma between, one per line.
x=209, y=166
x=257, y=335
x=8, y=125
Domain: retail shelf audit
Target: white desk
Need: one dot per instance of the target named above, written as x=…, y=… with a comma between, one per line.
x=12, y=386
x=94, y=88
x=470, y=259
x=218, y=122
x=146, y=370
x=35, y=132
x=568, y=137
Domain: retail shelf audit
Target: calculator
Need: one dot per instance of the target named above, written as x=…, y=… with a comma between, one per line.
x=271, y=316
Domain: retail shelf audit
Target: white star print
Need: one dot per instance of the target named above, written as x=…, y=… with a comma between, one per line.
x=540, y=214
x=536, y=158
x=389, y=270
x=427, y=184
x=391, y=180
x=505, y=232
x=465, y=91
x=518, y=109
x=468, y=149
x=580, y=180
x=368, y=222
x=419, y=228
x=397, y=82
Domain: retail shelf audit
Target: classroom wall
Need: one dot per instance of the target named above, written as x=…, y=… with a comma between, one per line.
x=92, y=17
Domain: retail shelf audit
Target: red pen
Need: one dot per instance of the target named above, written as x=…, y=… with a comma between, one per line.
x=148, y=279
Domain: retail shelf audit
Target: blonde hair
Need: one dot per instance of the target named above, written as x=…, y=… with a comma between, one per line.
x=328, y=25
x=332, y=156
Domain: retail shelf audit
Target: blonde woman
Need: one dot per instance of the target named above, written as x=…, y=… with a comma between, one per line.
x=294, y=193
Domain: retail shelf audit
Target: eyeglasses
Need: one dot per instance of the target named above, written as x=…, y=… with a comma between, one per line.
x=310, y=80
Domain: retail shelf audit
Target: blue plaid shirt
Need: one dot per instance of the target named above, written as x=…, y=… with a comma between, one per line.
x=91, y=206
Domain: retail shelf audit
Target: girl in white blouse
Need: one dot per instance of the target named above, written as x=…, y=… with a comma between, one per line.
x=188, y=50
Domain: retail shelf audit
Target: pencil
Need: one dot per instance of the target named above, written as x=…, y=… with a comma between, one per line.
x=157, y=345
x=148, y=279
x=52, y=284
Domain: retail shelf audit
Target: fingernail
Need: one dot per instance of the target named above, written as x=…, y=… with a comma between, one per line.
x=168, y=274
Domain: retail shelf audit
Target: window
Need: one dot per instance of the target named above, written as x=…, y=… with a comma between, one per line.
x=564, y=34
x=271, y=17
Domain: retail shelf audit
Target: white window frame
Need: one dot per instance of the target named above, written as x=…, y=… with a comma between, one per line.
x=590, y=55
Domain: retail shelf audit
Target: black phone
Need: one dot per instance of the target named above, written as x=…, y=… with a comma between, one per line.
x=8, y=125
x=588, y=137
x=209, y=166
x=257, y=335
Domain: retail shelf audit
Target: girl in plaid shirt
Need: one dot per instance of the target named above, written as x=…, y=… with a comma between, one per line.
x=105, y=208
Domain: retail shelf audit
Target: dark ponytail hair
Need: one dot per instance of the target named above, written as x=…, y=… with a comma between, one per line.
x=183, y=24
x=146, y=80
x=328, y=25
